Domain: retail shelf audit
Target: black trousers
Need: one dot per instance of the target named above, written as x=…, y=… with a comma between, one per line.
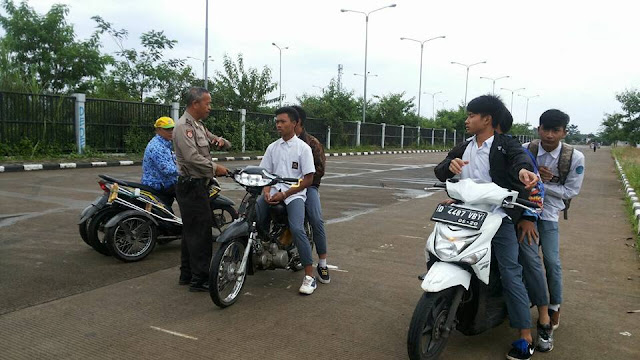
x=197, y=220
x=166, y=195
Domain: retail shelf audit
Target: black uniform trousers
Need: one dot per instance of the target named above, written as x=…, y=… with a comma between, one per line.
x=193, y=199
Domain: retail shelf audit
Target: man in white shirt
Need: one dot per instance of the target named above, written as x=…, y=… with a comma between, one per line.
x=560, y=185
x=289, y=157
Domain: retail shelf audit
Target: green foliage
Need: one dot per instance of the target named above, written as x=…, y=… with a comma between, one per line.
x=44, y=49
x=623, y=126
x=142, y=75
x=447, y=119
x=334, y=105
x=136, y=139
x=240, y=88
x=392, y=109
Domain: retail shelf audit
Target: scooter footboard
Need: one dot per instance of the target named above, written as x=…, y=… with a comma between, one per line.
x=443, y=275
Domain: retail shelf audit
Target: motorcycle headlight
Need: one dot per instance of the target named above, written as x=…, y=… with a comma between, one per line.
x=450, y=247
x=252, y=179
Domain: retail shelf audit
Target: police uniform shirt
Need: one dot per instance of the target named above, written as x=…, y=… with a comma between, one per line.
x=191, y=143
x=292, y=159
x=555, y=192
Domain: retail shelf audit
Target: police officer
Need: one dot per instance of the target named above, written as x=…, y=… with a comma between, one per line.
x=192, y=143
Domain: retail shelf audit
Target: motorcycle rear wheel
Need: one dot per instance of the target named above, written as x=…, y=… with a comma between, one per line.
x=96, y=232
x=425, y=340
x=132, y=238
x=224, y=282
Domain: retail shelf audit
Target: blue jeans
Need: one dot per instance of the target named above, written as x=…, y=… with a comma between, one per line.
x=506, y=249
x=550, y=243
x=314, y=214
x=533, y=273
x=295, y=216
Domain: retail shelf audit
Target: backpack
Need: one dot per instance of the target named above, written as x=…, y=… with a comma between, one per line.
x=564, y=167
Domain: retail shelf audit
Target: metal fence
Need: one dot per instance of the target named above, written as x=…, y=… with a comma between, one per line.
x=116, y=126
x=29, y=120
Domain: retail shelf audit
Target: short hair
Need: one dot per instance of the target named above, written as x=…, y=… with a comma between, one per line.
x=194, y=94
x=488, y=105
x=293, y=114
x=301, y=113
x=554, y=118
x=506, y=120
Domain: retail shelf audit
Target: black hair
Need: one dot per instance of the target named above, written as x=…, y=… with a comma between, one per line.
x=554, y=118
x=290, y=111
x=194, y=94
x=506, y=120
x=488, y=105
x=301, y=113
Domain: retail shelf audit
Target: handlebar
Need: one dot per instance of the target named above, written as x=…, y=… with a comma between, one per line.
x=527, y=203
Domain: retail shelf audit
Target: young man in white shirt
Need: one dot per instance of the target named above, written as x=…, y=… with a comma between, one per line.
x=560, y=186
x=497, y=158
x=292, y=158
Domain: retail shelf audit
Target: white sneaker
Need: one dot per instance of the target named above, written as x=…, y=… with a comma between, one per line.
x=308, y=285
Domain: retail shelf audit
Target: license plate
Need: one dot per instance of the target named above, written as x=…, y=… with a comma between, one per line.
x=459, y=216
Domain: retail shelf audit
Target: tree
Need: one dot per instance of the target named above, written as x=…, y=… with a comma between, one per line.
x=392, y=109
x=44, y=49
x=334, y=105
x=448, y=119
x=625, y=126
x=143, y=75
x=240, y=88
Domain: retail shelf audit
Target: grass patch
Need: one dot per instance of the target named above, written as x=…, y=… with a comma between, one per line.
x=629, y=159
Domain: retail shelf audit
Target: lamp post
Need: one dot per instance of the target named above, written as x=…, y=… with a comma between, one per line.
x=467, y=81
x=280, y=81
x=512, y=91
x=526, y=112
x=493, y=80
x=206, y=45
x=433, y=102
x=203, y=64
x=421, y=52
x=366, y=39
x=442, y=102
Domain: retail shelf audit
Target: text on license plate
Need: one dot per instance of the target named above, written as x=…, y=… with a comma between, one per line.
x=459, y=216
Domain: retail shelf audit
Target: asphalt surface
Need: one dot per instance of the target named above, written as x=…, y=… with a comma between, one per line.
x=61, y=299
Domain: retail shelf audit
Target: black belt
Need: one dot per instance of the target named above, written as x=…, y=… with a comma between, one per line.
x=190, y=179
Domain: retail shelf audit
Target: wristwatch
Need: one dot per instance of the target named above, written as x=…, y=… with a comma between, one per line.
x=555, y=179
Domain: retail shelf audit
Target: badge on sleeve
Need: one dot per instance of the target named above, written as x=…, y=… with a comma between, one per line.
x=294, y=165
x=580, y=169
x=189, y=134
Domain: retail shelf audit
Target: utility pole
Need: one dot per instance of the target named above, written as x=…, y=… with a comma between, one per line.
x=339, y=77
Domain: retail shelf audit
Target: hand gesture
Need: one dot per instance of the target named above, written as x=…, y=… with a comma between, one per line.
x=545, y=173
x=528, y=178
x=219, y=143
x=456, y=165
x=276, y=198
x=221, y=171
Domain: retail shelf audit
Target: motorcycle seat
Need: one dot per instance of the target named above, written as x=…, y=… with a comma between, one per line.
x=129, y=183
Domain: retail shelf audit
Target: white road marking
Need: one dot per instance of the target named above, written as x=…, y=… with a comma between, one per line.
x=412, y=237
x=335, y=268
x=174, y=333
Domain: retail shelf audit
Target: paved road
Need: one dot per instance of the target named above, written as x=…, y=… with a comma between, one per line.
x=61, y=299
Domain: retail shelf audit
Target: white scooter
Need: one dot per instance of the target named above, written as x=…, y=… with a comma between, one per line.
x=462, y=286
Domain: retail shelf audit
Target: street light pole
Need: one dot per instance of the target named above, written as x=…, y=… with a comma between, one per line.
x=280, y=81
x=467, y=81
x=512, y=91
x=421, y=52
x=526, y=112
x=366, y=41
x=202, y=61
x=433, y=102
x=206, y=45
x=493, y=88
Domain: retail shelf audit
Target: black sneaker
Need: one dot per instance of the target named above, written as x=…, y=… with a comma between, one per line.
x=520, y=350
x=201, y=286
x=545, y=338
x=323, y=274
x=184, y=280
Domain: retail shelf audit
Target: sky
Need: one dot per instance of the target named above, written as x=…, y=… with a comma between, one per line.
x=576, y=55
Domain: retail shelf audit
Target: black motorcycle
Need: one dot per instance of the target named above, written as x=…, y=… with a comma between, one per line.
x=130, y=218
x=242, y=250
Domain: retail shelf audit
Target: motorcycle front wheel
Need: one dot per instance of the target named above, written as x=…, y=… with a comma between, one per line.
x=132, y=238
x=426, y=339
x=224, y=282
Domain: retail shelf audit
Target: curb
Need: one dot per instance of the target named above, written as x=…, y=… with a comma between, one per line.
x=631, y=194
x=59, y=166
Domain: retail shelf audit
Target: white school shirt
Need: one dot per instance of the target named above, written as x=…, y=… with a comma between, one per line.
x=478, y=167
x=555, y=192
x=289, y=159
